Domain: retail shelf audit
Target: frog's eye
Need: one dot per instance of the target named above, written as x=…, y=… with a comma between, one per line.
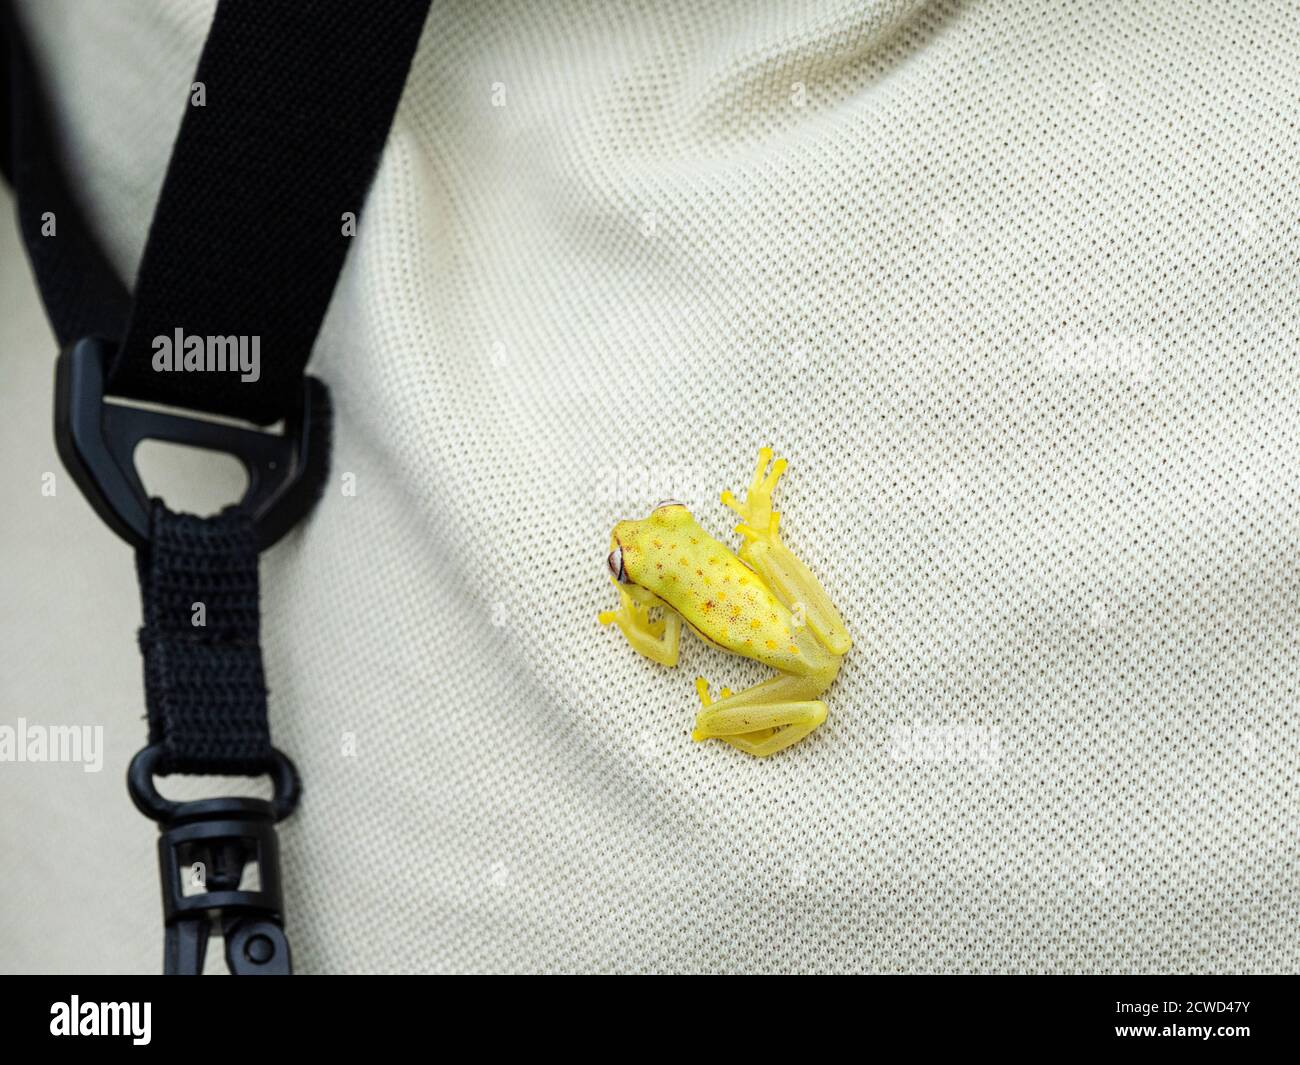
x=616, y=565
x=669, y=503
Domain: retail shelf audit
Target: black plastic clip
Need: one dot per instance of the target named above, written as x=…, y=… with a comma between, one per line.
x=208, y=847
x=97, y=441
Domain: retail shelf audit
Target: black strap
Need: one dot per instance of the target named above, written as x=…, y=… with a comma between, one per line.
x=81, y=293
x=204, y=685
x=248, y=236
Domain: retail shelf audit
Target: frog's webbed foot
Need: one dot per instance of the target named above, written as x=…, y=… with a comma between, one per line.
x=750, y=723
x=787, y=576
x=756, y=514
x=655, y=637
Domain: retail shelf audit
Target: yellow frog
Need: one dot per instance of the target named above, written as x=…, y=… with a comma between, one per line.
x=763, y=604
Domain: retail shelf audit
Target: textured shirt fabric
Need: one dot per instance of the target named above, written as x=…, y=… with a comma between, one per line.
x=1013, y=286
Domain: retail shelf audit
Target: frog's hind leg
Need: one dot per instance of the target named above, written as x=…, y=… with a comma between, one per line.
x=656, y=638
x=760, y=720
x=790, y=580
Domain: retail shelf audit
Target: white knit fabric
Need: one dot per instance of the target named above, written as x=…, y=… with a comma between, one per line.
x=1014, y=287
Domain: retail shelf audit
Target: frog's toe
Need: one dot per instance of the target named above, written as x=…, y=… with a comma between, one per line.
x=778, y=468
x=766, y=473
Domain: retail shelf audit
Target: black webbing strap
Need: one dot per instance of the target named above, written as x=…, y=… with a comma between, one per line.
x=204, y=685
x=248, y=235
x=81, y=293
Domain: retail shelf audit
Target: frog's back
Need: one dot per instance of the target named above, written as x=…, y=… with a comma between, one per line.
x=725, y=601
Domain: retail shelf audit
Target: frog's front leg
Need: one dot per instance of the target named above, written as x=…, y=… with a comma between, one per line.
x=787, y=576
x=656, y=639
x=766, y=718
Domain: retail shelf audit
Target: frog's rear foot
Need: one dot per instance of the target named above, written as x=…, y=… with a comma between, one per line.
x=758, y=520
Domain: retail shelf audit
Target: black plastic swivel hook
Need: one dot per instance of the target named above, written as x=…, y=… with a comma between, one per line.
x=210, y=844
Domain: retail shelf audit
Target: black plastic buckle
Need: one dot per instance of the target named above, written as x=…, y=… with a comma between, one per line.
x=97, y=441
x=209, y=844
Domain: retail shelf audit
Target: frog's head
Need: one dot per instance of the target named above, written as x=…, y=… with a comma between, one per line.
x=634, y=545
